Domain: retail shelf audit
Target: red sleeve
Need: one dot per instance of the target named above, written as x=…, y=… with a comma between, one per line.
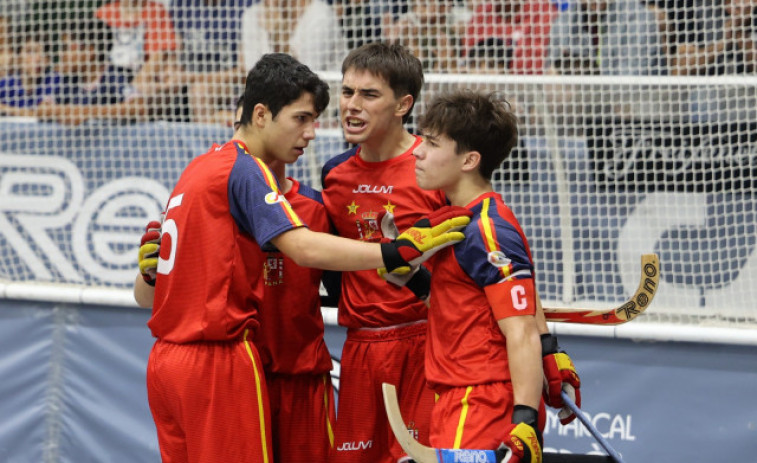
x=512, y=298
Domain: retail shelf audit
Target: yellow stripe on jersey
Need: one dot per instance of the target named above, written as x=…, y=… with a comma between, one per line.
x=271, y=182
x=326, y=397
x=490, y=235
x=259, y=393
x=269, y=178
x=463, y=415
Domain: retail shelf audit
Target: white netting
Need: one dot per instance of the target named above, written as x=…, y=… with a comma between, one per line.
x=638, y=128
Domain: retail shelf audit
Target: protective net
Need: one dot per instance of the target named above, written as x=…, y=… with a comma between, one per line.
x=638, y=128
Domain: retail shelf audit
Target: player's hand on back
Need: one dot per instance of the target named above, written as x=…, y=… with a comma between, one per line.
x=559, y=375
x=429, y=235
x=148, y=252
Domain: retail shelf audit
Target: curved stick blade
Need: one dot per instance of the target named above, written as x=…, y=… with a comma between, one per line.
x=637, y=304
x=418, y=452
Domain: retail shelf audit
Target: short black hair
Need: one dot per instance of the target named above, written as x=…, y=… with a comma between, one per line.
x=277, y=80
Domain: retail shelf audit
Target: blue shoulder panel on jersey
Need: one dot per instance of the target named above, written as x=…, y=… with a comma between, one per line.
x=335, y=161
x=311, y=193
x=482, y=257
x=244, y=169
x=248, y=193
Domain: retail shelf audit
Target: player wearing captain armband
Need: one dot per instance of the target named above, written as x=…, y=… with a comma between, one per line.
x=484, y=355
x=205, y=379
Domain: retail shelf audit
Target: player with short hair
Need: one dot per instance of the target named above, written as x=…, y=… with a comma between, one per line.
x=386, y=325
x=484, y=355
x=290, y=339
x=295, y=358
x=205, y=381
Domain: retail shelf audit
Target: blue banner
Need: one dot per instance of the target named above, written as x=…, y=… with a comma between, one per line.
x=73, y=390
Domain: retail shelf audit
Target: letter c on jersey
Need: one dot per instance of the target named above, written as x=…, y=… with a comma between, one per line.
x=518, y=295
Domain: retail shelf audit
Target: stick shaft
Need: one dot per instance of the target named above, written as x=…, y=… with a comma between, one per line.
x=590, y=426
x=423, y=454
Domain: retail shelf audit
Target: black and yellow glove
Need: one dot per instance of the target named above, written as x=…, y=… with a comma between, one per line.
x=424, y=239
x=523, y=443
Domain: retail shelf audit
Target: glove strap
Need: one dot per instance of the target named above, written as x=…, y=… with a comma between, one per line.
x=420, y=283
x=392, y=257
x=525, y=414
x=549, y=344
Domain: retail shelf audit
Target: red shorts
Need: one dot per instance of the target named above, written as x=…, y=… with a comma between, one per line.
x=209, y=402
x=474, y=417
x=302, y=417
x=370, y=357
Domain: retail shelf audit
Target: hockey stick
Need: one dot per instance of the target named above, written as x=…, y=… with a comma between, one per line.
x=650, y=279
x=423, y=454
x=419, y=452
x=592, y=429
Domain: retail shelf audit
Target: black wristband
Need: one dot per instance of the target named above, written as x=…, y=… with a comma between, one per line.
x=525, y=414
x=529, y=416
x=420, y=283
x=549, y=344
x=391, y=256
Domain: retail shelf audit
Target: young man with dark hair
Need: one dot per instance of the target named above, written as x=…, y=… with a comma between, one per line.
x=290, y=340
x=205, y=381
x=484, y=355
x=386, y=325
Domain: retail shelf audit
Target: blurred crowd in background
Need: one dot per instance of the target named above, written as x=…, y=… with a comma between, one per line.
x=186, y=60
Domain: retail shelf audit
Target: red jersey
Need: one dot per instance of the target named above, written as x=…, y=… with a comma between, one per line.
x=484, y=278
x=210, y=284
x=290, y=339
x=356, y=193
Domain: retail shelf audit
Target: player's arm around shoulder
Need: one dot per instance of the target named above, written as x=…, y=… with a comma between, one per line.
x=411, y=248
x=308, y=248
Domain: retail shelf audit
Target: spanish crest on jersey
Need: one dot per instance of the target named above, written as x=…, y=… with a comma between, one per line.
x=368, y=226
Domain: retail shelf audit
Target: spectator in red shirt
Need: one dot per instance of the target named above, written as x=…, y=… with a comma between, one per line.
x=143, y=44
x=521, y=26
